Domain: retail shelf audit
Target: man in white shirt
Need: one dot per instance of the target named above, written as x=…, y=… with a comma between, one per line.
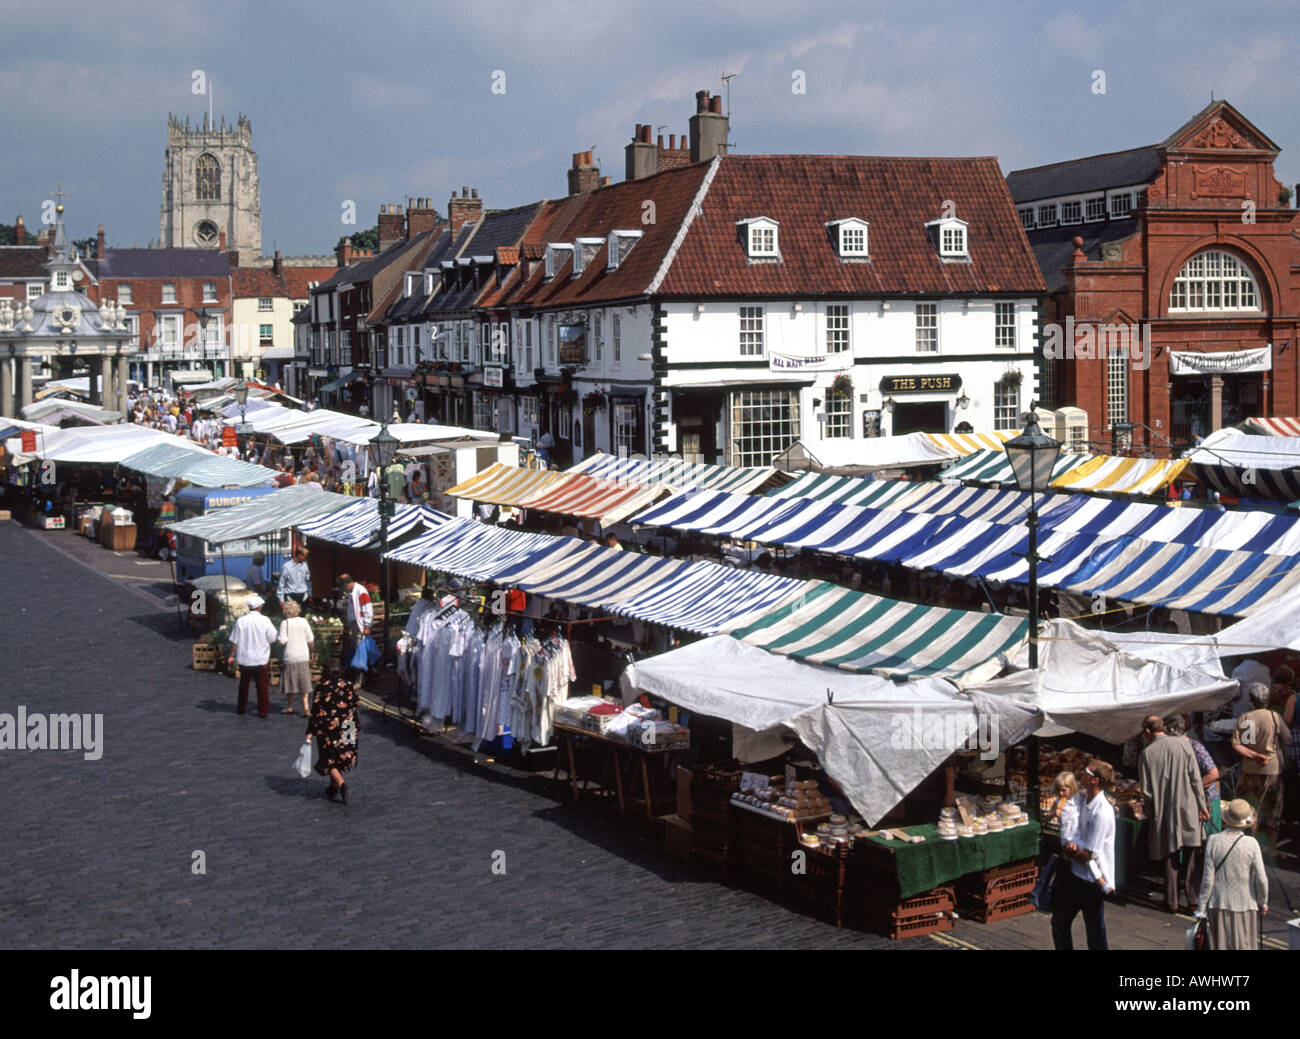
x=1091, y=876
x=250, y=644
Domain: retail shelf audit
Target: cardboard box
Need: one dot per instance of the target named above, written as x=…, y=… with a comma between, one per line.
x=121, y=538
x=4, y=515
x=684, y=794
x=677, y=837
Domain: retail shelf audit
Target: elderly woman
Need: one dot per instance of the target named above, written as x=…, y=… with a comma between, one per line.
x=1234, y=890
x=297, y=638
x=334, y=725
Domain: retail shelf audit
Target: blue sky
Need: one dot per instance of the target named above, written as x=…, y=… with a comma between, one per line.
x=379, y=101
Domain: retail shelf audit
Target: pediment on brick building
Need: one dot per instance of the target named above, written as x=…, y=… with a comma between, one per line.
x=1220, y=127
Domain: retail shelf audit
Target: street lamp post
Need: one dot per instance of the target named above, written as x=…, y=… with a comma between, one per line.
x=384, y=450
x=1033, y=456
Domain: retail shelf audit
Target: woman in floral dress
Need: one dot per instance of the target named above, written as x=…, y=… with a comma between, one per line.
x=334, y=722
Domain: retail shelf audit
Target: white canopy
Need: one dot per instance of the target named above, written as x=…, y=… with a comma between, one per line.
x=1274, y=627
x=102, y=445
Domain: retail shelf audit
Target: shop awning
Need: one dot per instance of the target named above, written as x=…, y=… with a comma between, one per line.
x=470, y=549
x=849, y=455
x=679, y=474
x=574, y=494
x=963, y=444
x=855, y=631
x=58, y=409
x=1111, y=474
x=278, y=510
x=357, y=525
x=1274, y=427
x=102, y=445
x=847, y=490
x=1242, y=466
x=168, y=461
x=501, y=484
x=991, y=467
x=342, y=381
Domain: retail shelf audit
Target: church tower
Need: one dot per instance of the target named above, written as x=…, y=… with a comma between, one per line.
x=210, y=186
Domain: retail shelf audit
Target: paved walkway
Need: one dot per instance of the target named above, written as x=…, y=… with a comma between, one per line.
x=105, y=849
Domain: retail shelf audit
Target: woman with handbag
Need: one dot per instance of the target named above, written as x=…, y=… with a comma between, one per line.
x=1234, y=890
x=334, y=724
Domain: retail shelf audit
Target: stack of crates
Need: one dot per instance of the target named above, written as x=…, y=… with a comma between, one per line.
x=715, y=841
x=998, y=893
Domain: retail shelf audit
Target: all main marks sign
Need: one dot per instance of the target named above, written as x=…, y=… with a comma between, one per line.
x=1227, y=362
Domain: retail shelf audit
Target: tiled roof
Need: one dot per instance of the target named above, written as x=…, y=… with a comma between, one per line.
x=1053, y=246
x=164, y=263
x=412, y=259
x=299, y=279
x=896, y=196
x=22, y=261
x=1077, y=176
x=249, y=282
x=508, y=254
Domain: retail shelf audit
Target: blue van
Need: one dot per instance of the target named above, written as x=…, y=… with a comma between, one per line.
x=197, y=558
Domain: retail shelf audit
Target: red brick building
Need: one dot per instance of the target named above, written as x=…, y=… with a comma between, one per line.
x=1192, y=246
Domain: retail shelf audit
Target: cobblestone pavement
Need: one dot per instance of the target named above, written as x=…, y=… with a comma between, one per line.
x=99, y=854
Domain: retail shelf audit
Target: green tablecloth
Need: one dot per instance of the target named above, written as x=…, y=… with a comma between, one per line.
x=923, y=866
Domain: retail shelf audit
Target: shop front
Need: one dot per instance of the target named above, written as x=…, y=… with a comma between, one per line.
x=920, y=403
x=1213, y=390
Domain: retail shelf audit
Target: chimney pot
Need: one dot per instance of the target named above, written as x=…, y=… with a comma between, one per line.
x=661, y=142
x=464, y=192
x=715, y=104
x=701, y=101
x=475, y=193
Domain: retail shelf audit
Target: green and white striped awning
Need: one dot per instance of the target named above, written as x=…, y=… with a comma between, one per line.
x=278, y=510
x=855, y=631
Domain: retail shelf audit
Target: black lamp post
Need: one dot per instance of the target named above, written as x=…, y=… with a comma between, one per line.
x=1033, y=456
x=383, y=449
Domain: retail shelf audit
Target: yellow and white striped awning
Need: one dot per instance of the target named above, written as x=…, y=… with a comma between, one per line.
x=968, y=443
x=500, y=484
x=1111, y=474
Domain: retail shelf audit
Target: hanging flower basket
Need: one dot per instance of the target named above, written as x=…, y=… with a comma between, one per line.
x=594, y=401
x=841, y=387
x=568, y=397
x=1013, y=378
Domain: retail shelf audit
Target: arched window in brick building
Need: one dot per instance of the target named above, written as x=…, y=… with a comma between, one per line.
x=1214, y=280
x=207, y=179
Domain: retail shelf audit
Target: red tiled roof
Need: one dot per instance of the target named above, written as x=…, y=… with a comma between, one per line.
x=508, y=254
x=299, y=279
x=250, y=282
x=896, y=196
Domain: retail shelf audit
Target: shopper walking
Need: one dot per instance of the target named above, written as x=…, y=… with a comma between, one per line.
x=1091, y=876
x=360, y=615
x=1235, y=889
x=250, y=648
x=297, y=639
x=295, y=578
x=1260, y=739
x=1170, y=779
x=333, y=724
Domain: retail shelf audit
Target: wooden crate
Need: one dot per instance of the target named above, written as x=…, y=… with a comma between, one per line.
x=277, y=669
x=918, y=926
x=1000, y=910
x=205, y=656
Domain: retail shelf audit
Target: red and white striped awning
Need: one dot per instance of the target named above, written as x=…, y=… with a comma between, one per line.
x=1275, y=427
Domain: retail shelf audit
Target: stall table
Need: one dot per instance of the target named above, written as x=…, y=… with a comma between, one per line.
x=609, y=750
x=916, y=868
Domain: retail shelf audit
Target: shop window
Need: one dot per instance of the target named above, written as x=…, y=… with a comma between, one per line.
x=763, y=424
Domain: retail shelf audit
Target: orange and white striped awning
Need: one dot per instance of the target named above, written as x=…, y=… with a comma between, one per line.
x=1275, y=427
x=501, y=484
x=610, y=501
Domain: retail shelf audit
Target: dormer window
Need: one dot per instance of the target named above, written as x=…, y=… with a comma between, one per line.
x=760, y=238
x=556, y=255
x=619, y=244
x=61, y=279
x=850, y=237
x=950, y=236
x=584, y=251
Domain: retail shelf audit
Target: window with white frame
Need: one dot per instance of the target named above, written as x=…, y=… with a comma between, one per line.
x=1120, y=204
x=210, y=293
x=1047, y=215
x=763, y=424
x=565, y=423
x=485, y=411
x=455, y=348
x=169, y=292
x=265, y=335
x=169, y=332
x=598, y=334
x=751, y=332
x=927, y=328
x=1004, y=324
x=34, y=290
x=1006, y=404
x=837, y=328
x=265, y=303
x=839, y=415
x=61, y=279
x=625, y=439
x=552, y=347
x=1116, y=387
x=852, y=237
x=1214, y=280
x=528, y=345
x=213, y=336
x=1027, y=218
x=1095, y=208
x=762, y=238
x=124, y=295
x=501, y=342
x=616, y=338
x=527, y=412
x=1071, y=212
x=953, y=241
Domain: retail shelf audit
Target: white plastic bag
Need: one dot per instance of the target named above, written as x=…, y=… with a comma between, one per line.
x=303, y=763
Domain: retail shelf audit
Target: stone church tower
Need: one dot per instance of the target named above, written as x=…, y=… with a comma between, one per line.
x=210, y=186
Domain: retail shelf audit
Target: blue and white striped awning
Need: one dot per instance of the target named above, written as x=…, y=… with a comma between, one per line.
x=676, y=473
x=357, y=525
x=855, y=631
x=470, y=549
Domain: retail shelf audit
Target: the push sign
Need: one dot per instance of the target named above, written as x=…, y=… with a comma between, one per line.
x=891, y=384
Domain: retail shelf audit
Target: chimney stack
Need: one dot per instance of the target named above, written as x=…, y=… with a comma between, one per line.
x=420, y=216
x=20, y=232
x=641, y=157
x=392, y=224
x=221, y=242
x=276, y=265
x=709, y=127
x=343, y=251
x=584, y=175
x=463, y=210
x=99, y=243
